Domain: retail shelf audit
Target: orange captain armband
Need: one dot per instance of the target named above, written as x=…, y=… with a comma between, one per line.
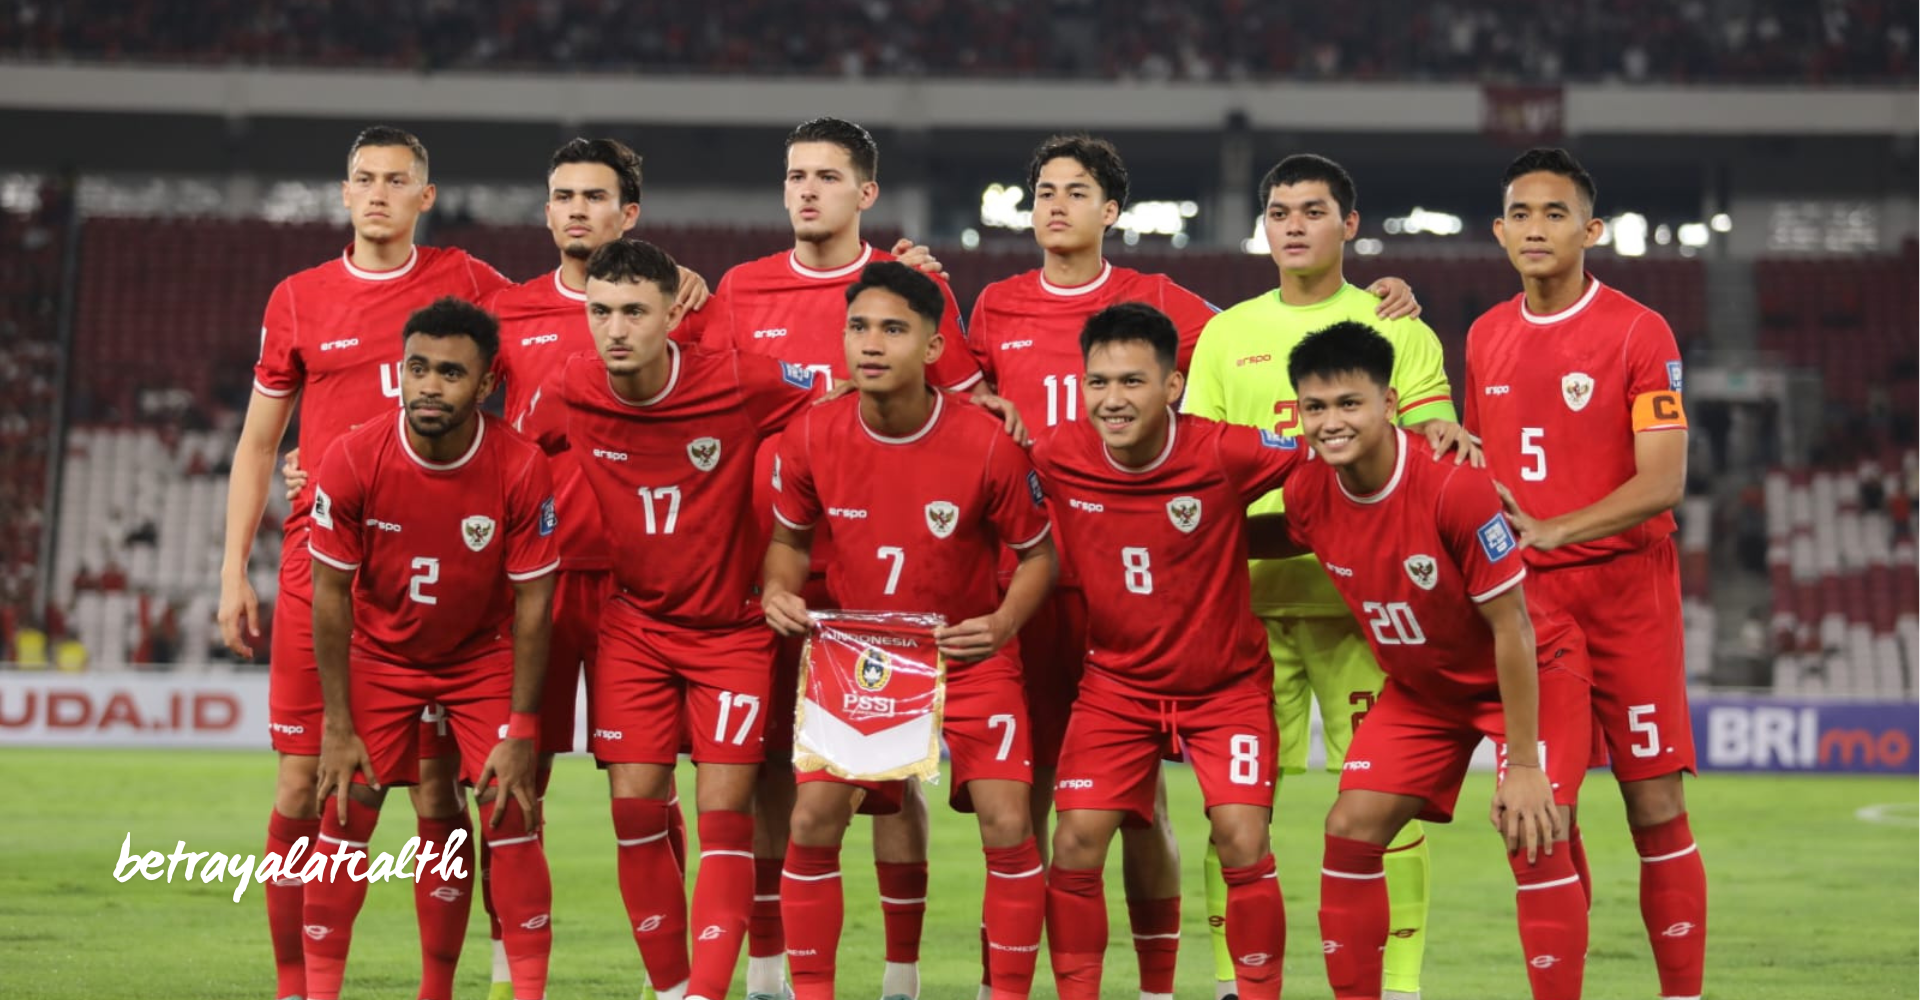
x=1658, y=411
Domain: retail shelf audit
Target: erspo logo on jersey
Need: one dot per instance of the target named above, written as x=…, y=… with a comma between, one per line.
x=1496, y=539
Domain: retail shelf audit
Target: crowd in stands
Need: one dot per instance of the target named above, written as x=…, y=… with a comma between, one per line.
x=1638, y=41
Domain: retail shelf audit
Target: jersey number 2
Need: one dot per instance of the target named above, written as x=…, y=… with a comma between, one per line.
x=425, y=571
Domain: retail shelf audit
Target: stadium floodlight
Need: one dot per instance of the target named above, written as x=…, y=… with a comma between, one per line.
x=1000, y=207
x=1367, y=246
x=1721, y=222
x=1695, y=234
x=1629, y=234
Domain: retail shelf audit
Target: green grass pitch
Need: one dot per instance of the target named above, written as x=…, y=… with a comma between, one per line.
x=1809, y=899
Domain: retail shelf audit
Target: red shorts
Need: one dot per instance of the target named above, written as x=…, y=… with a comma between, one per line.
x=985, y=731
x=577, y=597
x=1115, y=742
x=476, y=696
x=1410, y=744
x=655, y=682
x=786, y=673
x=1053, y=652
x=294, y=707
x=1629, y=608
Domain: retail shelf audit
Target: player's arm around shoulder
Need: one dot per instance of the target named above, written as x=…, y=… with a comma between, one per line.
x=1205, y=393
x=1017, y=508
x=796, y=509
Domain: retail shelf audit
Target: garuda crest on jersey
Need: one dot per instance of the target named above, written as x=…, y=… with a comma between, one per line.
x=704, y=453
x=477, y=531
x=1577, y=389
x=1184, y=512
x=942, y=517
x=1423, y=571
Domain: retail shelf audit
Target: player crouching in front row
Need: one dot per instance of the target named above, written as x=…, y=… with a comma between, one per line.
x=1421, y=552
x=433, y=547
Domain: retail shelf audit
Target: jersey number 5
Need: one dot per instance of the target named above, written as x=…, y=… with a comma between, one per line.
x=1536, y=453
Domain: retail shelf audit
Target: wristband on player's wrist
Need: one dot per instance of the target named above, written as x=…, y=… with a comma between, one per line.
x=1534, y=766
x=523, y=726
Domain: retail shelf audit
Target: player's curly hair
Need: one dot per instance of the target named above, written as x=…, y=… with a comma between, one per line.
x=1303, y=168
x=387, y=135
x=919, y=291
x=454, y=317
x=1345, y=347
x=1132, y=321
x=1551, y=160
x=630, y=261
x=858, y=143
x=610, y=153
x=1098, y=156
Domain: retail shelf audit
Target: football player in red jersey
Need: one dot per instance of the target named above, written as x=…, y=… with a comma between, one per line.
x=1151, y=512
x=433, y=559
x=1576, y=391
x=924, y=492
x=326, y=342
x=1421, y=553
x=665, y=437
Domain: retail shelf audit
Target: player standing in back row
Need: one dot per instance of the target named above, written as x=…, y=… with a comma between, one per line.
x=326, y=344
x=1575, y=390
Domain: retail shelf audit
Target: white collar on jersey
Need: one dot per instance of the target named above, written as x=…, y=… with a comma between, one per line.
x=866, y=254
x=1399, y=471
x=1166, y=451
x=1106, y=271
x=561, y=287
x=1593, y=289
x=673, y=379
x=939, y=405
x=479, y=434
x=346, y=257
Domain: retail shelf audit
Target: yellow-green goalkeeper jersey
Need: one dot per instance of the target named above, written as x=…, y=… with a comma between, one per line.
x=1239, y=375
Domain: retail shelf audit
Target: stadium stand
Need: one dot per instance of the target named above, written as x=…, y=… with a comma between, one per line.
x=31, y=264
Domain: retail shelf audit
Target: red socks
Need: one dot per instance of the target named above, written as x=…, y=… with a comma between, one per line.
x=523, y=893
x=1076, y=930
x=1156, y=940
x=1578, y=849
x=1553, y=923
x=1354, y=916
x=677, y=833
x=286, y=897
x=903, y=907
x=1673, y=902
x=1016, y=909
x=653, y=888
x=812, y=907
x=722, y=895
x=334, y=901
x=765, y=939
x=442, y=905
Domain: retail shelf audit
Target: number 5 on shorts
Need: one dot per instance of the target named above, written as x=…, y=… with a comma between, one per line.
x=1243, y=760
x=1642, y=726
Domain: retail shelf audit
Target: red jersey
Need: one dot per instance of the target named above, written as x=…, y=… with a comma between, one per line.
x=1161, y=553
x=542, y=324
x=433, y=548
x=332, y=334
x=674, y=474
x=1557, y=400
x=1413, y=562
x=780, y=308
x=1025, y=333
x=918, y=521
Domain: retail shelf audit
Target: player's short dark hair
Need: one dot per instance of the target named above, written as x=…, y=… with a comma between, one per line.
x=632, y=261
x=453, y=317
x=1551, y=160
x=1346, y=346
x=1098, y=156
x=387, y=135
x=858, y=143
x=1302, y=168
x=922, y=295
x=610, y=153
x=1132, y=321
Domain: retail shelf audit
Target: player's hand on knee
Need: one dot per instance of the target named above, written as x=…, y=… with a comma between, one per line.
x=918, y=257
x=1523, y=811
x=295, y=476
x=342, y=753
x=786, y=612
x=1396, y=299
x=973, y=639
x=512, y=768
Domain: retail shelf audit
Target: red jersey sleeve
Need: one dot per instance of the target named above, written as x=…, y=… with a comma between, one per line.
x=279, y=373
x=1653, y=375
x=956, y=368
x=796, y=503
x=486, y=280
x=1189, y=313
x=773, y=392
x=544, y=421
x=1257, y=461
x=338, y=497
x=713, y=324
x=981, y=350
x=533, y=547
x=1477, y=535
x=1016, y=504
